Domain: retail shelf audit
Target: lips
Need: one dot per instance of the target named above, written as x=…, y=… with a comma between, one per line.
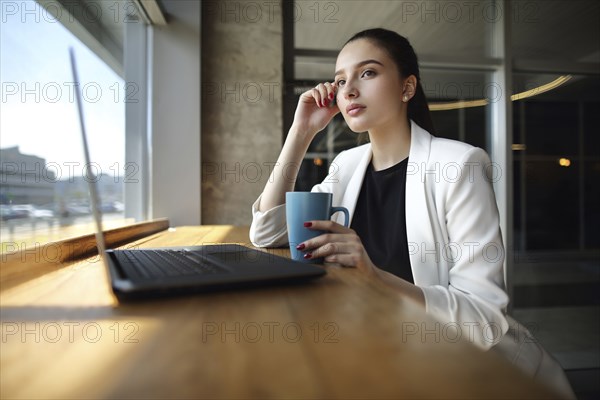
x=354, y=109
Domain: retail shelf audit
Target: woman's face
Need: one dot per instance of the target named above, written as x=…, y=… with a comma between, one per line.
x=369, y=86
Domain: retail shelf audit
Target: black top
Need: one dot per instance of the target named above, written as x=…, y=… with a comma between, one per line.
x=380, y=219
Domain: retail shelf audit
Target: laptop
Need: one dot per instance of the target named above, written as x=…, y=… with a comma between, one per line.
x=145, y=273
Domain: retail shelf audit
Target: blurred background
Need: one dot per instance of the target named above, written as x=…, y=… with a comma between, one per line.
x=187, y=105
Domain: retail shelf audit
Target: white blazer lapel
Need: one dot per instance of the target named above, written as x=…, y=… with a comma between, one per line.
x=419, y=217
x=355, y=183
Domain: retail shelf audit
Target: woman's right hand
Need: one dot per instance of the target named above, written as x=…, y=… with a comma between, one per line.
x=314, y=110
x=313, y=113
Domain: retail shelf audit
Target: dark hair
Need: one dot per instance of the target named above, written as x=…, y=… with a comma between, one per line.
x=403, y=54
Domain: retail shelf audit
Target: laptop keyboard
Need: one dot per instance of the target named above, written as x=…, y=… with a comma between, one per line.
x=152, y=264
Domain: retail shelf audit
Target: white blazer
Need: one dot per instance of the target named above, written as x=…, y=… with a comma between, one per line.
x=455, y=245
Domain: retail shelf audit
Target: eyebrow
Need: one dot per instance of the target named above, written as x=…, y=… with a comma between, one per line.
x=360, y=64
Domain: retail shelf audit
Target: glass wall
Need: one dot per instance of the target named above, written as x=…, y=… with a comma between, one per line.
x=556, y=212
x=556, y=161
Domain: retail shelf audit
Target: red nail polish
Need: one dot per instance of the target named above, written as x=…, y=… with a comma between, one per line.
x=307, y=224
x=308, y=255
x=301, y=246
x=331, y=96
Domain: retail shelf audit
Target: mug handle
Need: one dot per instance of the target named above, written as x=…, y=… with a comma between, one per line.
x=346, y=214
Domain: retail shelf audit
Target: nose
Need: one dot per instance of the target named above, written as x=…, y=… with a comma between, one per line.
x=349, y=90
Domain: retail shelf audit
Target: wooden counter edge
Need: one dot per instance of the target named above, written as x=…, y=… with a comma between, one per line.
x=25, y=264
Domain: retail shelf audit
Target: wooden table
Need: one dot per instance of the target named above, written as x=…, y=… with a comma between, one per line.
x=65, y=336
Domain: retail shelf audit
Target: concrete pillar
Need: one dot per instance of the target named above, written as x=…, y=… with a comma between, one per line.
x=242, y=83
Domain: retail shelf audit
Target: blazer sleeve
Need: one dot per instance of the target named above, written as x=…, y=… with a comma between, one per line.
x=475, y=298
x=269, y=228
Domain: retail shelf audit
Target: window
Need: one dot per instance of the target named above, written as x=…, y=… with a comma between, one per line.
x=43, y=192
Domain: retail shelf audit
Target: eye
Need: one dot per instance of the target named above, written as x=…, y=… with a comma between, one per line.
x=368, y=73
x=340, y=82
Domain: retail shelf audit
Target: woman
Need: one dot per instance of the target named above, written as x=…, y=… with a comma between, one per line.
x=423, y=213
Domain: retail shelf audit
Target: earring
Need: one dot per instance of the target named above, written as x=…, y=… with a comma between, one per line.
x=405, y=99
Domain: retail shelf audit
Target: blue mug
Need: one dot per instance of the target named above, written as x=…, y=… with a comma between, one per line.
x=301, y=207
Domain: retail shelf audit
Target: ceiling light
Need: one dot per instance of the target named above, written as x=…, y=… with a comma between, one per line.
x=453, y=105
x=564, y=162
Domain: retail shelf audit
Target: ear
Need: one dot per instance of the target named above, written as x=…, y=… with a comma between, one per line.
x=409, y=88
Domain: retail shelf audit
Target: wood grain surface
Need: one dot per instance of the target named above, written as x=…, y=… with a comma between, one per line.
x=342, y=336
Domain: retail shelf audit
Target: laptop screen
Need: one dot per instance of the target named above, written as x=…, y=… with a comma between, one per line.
x=90, y=177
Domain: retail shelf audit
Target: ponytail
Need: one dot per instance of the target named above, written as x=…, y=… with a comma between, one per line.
x=418, y=110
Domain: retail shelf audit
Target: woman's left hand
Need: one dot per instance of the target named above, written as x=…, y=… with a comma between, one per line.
x=340, y=245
